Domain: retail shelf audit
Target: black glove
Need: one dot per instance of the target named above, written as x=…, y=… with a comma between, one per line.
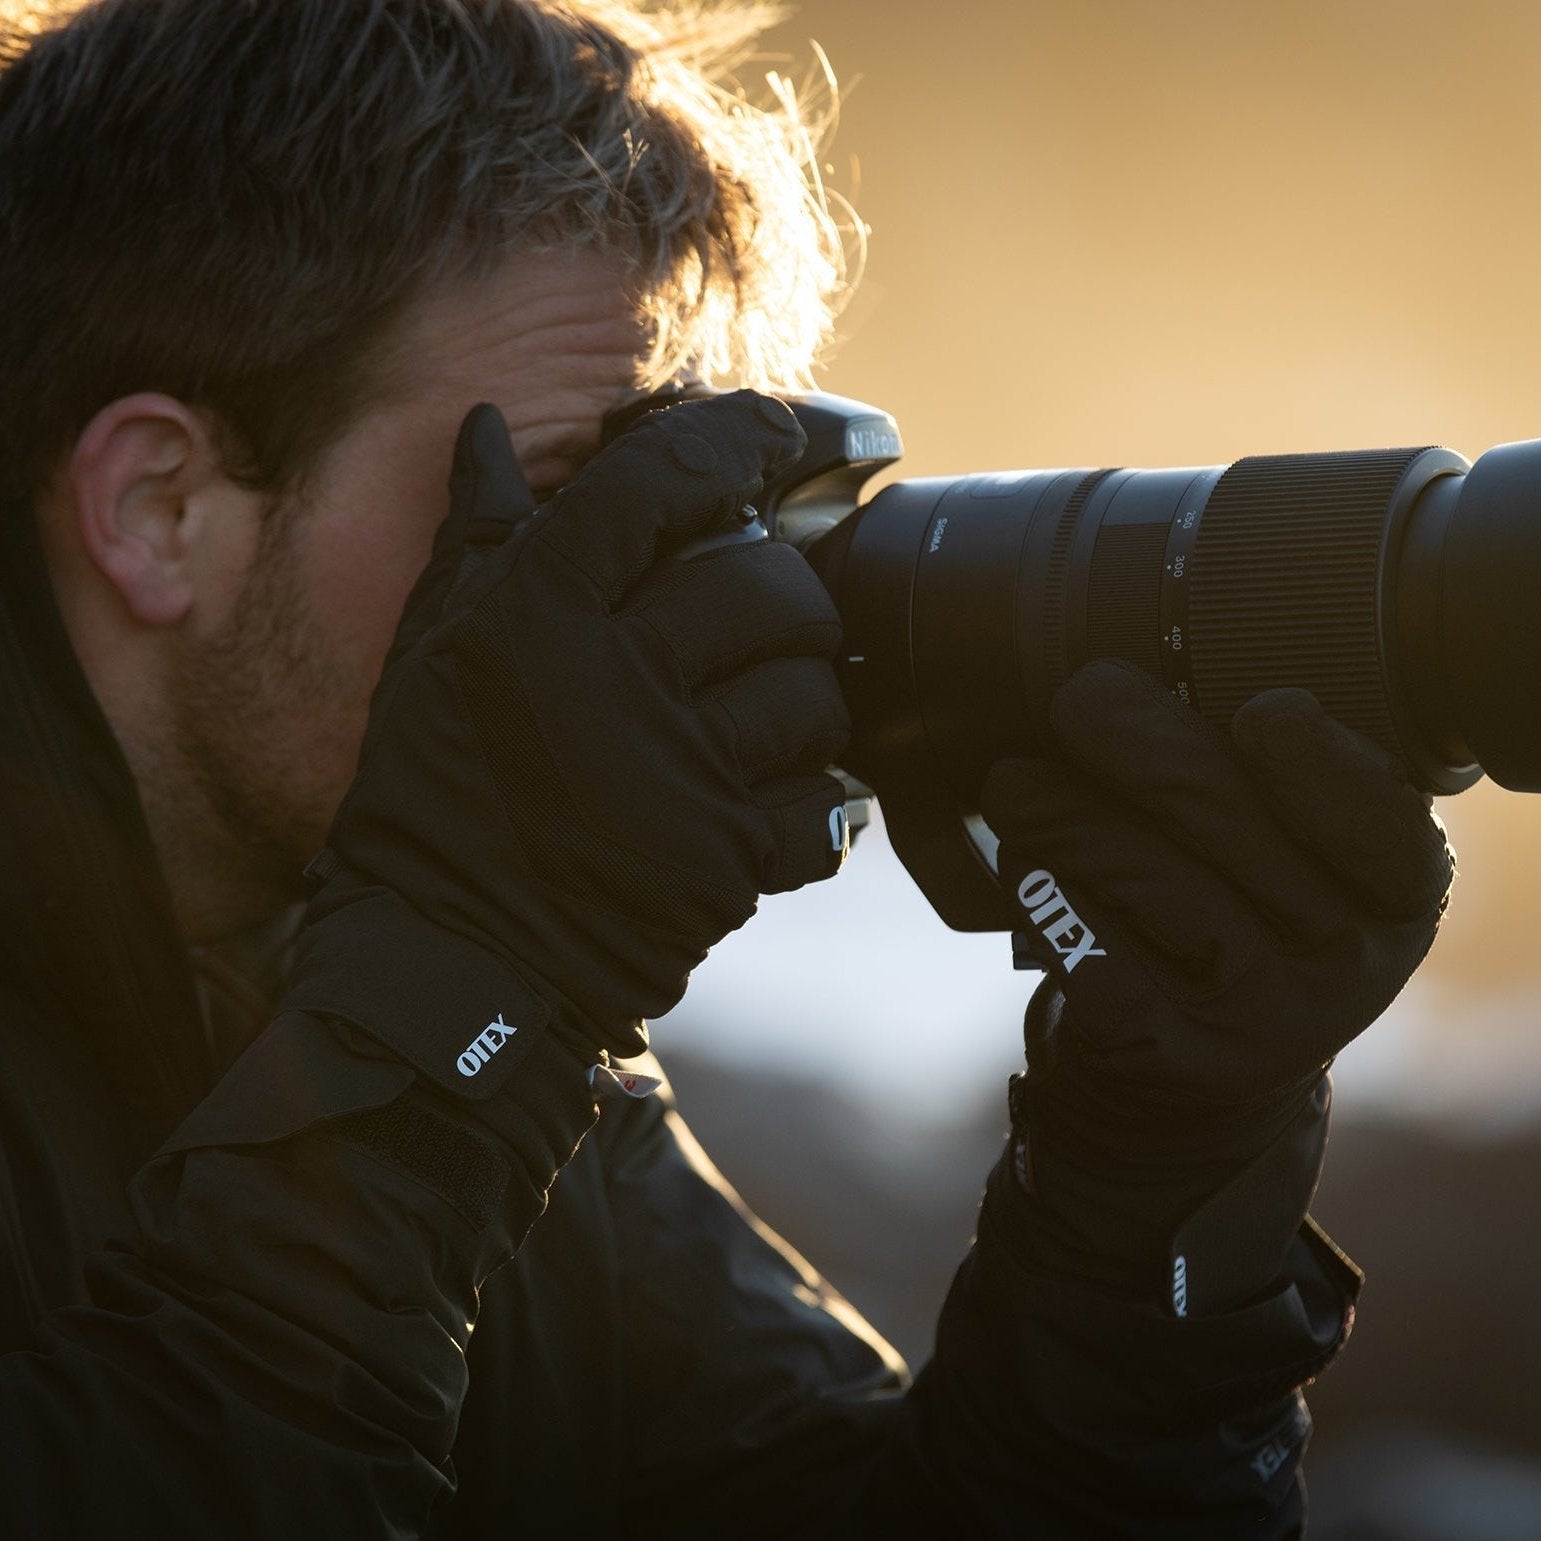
x=1217, y=919
x=586, y=759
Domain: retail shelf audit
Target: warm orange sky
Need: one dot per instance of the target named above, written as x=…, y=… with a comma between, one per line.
x=1184, y=231
x=1108, y=232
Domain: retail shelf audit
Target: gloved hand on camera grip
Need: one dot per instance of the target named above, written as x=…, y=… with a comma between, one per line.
x=586, y=759
x=1217, y=919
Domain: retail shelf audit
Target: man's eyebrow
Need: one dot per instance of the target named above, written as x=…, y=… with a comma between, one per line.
x=562, y=446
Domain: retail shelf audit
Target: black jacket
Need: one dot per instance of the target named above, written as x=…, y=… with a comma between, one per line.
x=265, y=1332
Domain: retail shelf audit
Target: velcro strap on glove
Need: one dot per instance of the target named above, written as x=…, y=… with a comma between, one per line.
x=460, y=1015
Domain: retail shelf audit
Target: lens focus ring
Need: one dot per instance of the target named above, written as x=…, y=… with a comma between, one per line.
x=1286, y=580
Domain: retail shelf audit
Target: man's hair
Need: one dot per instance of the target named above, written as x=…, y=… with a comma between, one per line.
x=230, y=201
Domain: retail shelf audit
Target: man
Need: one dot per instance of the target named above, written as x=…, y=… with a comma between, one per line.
x=261, y=262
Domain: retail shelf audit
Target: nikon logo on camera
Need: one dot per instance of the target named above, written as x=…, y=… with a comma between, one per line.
x=1057, y=922
x=872, y=438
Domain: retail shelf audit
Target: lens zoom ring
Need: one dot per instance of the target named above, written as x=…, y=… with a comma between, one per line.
x=1284, y=581
x=1054, y=629
x=1123, y=609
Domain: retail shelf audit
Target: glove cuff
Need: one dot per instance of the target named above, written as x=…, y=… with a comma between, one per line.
x=462, y=1016
x=1155, y=1197
x=1231, y=1249
x=1231, y=1252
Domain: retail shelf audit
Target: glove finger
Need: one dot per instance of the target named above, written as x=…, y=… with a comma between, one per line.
x=1130, y=734
x=1070, y=850
x=783, y=717
x=1345, y=799
x=488, y=497
x=486, y=480
x=737, y=606
x=676, y=474
x=810, y=835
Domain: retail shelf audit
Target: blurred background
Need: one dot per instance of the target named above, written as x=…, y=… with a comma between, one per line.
x=1116, y=233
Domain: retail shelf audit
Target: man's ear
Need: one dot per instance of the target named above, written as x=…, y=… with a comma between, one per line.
x=138, y=474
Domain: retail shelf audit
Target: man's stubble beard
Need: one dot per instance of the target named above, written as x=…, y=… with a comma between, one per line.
x=259, y=711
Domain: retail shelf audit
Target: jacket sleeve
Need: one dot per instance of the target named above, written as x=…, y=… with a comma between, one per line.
x=1047, y=1410
x=279, y=1344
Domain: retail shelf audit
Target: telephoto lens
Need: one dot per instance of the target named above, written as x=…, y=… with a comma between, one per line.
x=1402, y=587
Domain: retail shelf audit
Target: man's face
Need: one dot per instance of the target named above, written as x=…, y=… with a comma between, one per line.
x=271, y=702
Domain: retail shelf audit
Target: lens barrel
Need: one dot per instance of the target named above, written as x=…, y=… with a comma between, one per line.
x=1402, y=587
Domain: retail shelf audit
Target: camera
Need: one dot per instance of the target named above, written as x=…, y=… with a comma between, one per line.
x=1402, y=587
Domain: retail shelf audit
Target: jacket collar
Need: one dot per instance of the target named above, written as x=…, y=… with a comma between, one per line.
x=86, y=930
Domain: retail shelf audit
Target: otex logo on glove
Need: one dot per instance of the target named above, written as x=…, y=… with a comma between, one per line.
x=482, y=1047
x=1059, y=925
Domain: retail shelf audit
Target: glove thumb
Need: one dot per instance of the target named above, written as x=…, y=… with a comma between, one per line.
x=489, y=499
